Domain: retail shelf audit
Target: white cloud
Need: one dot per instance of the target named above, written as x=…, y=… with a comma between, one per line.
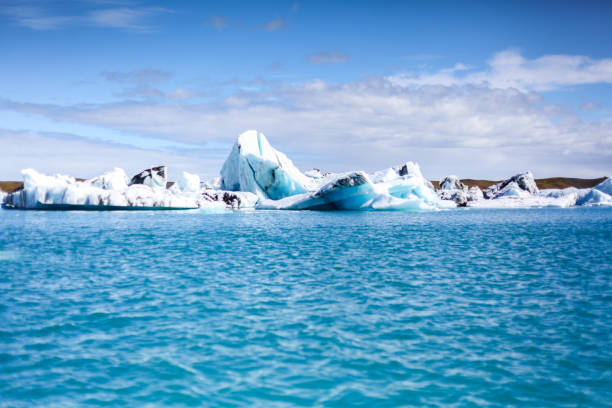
x=126, y=18
x=81, y=157
x=470, y=127
x=40, y=18
x=274, y=25
x=509, y=69
x=219, y=23
x=471, y=130
x=590, y=105
x=327, y=57
x=145, y=75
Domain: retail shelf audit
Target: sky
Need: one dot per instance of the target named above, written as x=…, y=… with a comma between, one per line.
x=480, y=89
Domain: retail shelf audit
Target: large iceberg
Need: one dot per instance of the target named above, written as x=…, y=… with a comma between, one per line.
x=112, y=191
x=356, y=191
x=255, y=166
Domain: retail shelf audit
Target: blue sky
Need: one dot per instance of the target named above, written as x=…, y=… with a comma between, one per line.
x=479, y=89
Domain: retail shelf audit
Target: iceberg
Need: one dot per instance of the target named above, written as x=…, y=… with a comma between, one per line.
x=255, y=166
x=351, y=191
x=115, y=179
x=475, y=193
x=111, y=191
x=256, y=175
x=520, y=185
x=453, y=189
x=605, y=186
x=188, y=183
x=407, y=182
x=155, y=177
x=594, y=197
x=452, y=182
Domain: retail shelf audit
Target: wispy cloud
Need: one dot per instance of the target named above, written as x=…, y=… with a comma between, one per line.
x=327, y=58
x=126, y=18
x=145, y=76
x=274, y=25
x=34, y=17
x=148, y=92
x=218, y=23
x=83, y=157
x=509, y=69
x=590, y=105
x=40, y=18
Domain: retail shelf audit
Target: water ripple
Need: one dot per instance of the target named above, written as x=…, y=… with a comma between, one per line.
x=289, y=309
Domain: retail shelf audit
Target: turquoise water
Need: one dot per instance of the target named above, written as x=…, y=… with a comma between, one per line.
x=282, y=309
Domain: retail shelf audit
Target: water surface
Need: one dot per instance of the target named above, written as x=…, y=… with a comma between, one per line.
x=283, y=309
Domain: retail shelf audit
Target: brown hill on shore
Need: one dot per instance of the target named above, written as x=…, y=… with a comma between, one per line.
x=554, y=182
x=10, y=186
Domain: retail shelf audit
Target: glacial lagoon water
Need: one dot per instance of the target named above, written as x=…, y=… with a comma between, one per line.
x=283, y=309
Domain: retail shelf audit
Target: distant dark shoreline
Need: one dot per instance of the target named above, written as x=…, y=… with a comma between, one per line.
x=544, y=183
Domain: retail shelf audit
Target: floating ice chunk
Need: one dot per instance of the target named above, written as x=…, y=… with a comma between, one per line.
x=348, y=192
x=561, y=193
x=107, y=191
x=155, y=177
x=605, y=186
x=452, y=182
x=352, y=191
x=214, y=184
x=512, y=189
x=406, y=182
x=232, y=199
x=255, y=166
x=314, y=173
x=594, y=197
x=189, y=183
x=42, y=188
x=451, y=188
x=475, y=193
x=115, y=179
x=545, y=198
x=531, y=201
x=523, y=182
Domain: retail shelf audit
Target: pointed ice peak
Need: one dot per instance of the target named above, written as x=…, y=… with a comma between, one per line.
x=255, y=166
